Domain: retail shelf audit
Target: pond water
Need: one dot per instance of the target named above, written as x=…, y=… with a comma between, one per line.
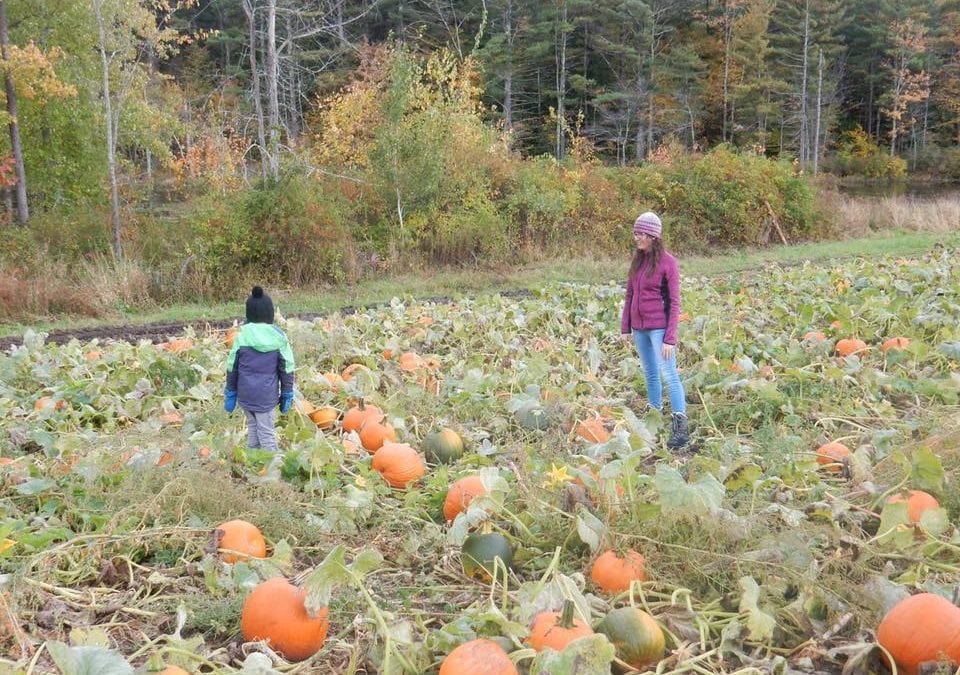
x=925, y=190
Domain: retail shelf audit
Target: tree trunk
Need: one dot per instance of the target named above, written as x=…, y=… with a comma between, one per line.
x=115, y=221
x=23, y=213
x=341, y=32
x=508, y=76
x=273, y=90
x=650, y=81
x=638, y=149
x=727, y=49
x=561, y=80
x=293, y=120
x=248, y=9
x=816, y=135
x=804, y=114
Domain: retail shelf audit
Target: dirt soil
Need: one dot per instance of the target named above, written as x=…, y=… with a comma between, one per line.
x=164, y=330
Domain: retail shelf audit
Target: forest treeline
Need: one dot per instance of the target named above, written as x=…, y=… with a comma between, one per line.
x=353, y=133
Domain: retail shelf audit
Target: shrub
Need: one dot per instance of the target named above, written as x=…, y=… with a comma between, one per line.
x=536, y=202
x=858, y=155
x=286, y=232
x=731, y=199
x=73, y=233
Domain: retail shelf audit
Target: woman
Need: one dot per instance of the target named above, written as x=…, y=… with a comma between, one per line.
x=651, y=312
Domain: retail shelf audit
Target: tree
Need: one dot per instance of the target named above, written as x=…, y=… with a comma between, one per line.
x=127, y=32
x=911, y=83
x=802, y=30
x=34, y=71
x=23, y=212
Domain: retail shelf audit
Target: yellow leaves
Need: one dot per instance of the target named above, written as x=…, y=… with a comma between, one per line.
x=34, y=74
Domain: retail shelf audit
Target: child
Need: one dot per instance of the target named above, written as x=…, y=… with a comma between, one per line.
x=650, y=315
x=260, y=372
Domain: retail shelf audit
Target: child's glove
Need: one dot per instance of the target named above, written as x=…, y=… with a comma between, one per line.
x=229, y=400
x=286, y=400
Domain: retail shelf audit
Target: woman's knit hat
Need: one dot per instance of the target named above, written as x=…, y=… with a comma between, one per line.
x=259, y=307
x=648, y=223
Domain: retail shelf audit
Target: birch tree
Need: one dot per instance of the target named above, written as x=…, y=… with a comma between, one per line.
x=127, y=33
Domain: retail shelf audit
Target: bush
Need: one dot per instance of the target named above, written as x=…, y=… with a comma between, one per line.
x=284, y=232
x=730, y=199
x=858, y=155
x=73, y=233
x=537, y=203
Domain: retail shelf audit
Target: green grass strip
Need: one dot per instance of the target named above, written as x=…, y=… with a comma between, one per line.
x=454, y=282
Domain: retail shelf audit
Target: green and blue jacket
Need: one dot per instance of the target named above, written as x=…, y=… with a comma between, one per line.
x=260, y=366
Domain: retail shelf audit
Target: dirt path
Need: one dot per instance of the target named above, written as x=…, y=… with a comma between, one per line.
x=164, y=330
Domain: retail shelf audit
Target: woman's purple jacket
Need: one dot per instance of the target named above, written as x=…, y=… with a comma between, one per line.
x=653, y=301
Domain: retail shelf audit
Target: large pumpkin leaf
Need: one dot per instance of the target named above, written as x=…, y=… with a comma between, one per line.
x=334, y=572
x=86, y=660
x=590, y=529
x=591, y=655
x=760, y=624
x=701, y=498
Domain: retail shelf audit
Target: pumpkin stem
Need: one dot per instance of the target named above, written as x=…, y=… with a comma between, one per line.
x=566, y=615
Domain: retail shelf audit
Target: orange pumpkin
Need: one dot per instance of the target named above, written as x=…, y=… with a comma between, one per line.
x=410, y=361
x=896, y=343
x=275, y=612
x=180, y=345
x=924, y=627
x=917, y=501
x=324, y=417
x=350, y=371
x=165, y=458
x=613, y=574
x=304, y=406
x=814, y=336
x=241, y=540
x=93, y=356
x=174, y=670
x=849, y=346
x=832, y=456
x=557, y=629
x=171, y=418
x=478, y=657
x=47, y=402
x=460, y=494
x=360, y=413
x=399, y=464
x=333, y=380
x=374, y=434
x=592, y=430
x=231, y=335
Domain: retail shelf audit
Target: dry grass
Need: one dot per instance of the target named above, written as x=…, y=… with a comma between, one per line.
x=859, y=217
x=95, y=288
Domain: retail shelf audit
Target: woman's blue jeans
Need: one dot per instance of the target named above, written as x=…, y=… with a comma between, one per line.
x=648, y=344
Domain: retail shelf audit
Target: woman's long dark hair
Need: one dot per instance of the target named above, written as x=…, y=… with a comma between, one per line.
x=640, y=257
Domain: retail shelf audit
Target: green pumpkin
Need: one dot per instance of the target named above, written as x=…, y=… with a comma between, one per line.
x=533, y=418
x=443, y=447
x=637, y=638
x=479, y=551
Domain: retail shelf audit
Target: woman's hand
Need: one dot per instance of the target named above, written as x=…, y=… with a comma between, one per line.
x=627, y=338
x=667, y=351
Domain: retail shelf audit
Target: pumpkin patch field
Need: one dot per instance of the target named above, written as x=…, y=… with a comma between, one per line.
x=475, y=487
